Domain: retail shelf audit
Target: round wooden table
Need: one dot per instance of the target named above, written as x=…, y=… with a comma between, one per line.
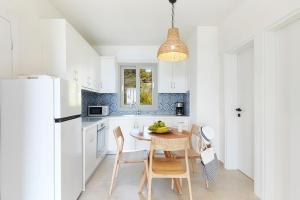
x=146, y=135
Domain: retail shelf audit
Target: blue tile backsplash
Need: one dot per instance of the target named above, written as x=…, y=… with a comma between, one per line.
x=166, y=103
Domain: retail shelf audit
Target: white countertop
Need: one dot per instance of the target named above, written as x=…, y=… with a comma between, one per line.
x=144, y=116
x=88, y=122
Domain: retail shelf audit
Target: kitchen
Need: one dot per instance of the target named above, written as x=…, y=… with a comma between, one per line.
x=94, y=99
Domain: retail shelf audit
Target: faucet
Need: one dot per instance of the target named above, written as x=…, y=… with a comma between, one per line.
x=136, y=107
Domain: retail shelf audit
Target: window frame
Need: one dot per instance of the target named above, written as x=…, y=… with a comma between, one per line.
x=138, y=67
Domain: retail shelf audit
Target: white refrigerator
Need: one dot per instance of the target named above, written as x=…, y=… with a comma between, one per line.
x=41, y=139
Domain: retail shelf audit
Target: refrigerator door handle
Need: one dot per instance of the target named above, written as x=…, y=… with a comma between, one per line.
x=64, y=119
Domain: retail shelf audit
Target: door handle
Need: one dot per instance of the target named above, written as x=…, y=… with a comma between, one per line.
x=238, y=110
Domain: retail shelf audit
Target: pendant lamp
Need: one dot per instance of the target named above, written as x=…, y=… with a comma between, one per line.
x=173, y=49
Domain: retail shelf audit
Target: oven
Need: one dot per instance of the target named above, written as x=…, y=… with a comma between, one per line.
x=101, y=139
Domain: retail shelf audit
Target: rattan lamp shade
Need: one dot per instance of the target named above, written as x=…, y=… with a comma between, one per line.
x=173, y=50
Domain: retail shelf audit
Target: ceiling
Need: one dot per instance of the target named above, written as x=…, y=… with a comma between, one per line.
x=139, y=22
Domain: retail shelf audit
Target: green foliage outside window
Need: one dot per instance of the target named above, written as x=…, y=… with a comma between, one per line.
x=138, y=85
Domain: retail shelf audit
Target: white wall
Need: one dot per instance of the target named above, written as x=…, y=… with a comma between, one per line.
x=249, y=21
x=130, y=54
x=204, y=78
x=251, y=17
x=24, y=16
x=208, y=77
x=192, y=74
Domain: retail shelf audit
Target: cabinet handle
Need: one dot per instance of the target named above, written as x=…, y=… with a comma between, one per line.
x=173, y=85
x=75, y=78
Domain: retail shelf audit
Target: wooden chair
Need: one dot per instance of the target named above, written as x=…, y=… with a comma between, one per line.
x=193, y=153
x=127, y=157
x=168, y=167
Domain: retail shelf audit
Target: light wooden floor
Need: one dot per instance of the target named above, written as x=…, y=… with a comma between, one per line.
x=230, y=185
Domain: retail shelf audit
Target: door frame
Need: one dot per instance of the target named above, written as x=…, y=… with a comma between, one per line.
x=265, y=104
x=12, y=43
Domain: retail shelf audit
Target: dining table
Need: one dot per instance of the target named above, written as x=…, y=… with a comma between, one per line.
x=145, y=135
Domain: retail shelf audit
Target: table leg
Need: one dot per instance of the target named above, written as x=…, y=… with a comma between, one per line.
x=176, y=180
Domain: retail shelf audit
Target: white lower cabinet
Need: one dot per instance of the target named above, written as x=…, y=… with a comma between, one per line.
x=90, y=150
x=128, y=123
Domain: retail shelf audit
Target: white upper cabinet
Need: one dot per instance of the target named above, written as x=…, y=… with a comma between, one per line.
x=165, y=77
x=108, y=74
x=66, y=54
x=5, y=49
x=172, y=77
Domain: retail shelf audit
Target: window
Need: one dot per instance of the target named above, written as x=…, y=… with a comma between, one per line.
x=138, y=86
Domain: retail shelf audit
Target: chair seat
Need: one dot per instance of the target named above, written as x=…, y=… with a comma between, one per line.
x=133, y=156
x=164, y=166
x=191, y=154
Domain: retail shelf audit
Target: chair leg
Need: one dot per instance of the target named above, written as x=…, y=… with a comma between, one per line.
x=117, y=170
x=206, y=183
x=143, y=181
x=180, y=181
x=149, y=187
x=190, y=187
x=172, y=184
x=113, y=175
x=147, y=170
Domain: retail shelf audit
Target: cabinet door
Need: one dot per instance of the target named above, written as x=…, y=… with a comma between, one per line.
x=126, y=124
x=108, y=75
x=90, y=151
x=53, y=48
x=74, y=55
x=165, y=77
x=96, y=73
x=180, y=77
x=5, y=49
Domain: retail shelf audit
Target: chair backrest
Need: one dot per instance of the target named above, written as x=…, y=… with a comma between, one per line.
x=119, y=139
x=195, y=132
x=169, y=144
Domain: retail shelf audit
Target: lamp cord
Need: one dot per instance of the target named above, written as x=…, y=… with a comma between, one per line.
x=173, y=15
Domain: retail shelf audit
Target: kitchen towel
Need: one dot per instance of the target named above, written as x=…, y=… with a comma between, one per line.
x=210, y=170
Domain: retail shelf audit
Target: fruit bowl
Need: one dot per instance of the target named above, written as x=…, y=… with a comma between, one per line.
x=161, y=131
x=159, y=127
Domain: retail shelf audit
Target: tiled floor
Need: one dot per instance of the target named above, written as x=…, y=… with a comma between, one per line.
x=230, y=185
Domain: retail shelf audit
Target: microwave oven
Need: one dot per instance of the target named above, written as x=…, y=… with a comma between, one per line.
x=98, y=111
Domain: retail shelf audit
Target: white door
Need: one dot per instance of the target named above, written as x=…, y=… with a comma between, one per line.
x=5, y=48
x=71, y=158
x=245, y=98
